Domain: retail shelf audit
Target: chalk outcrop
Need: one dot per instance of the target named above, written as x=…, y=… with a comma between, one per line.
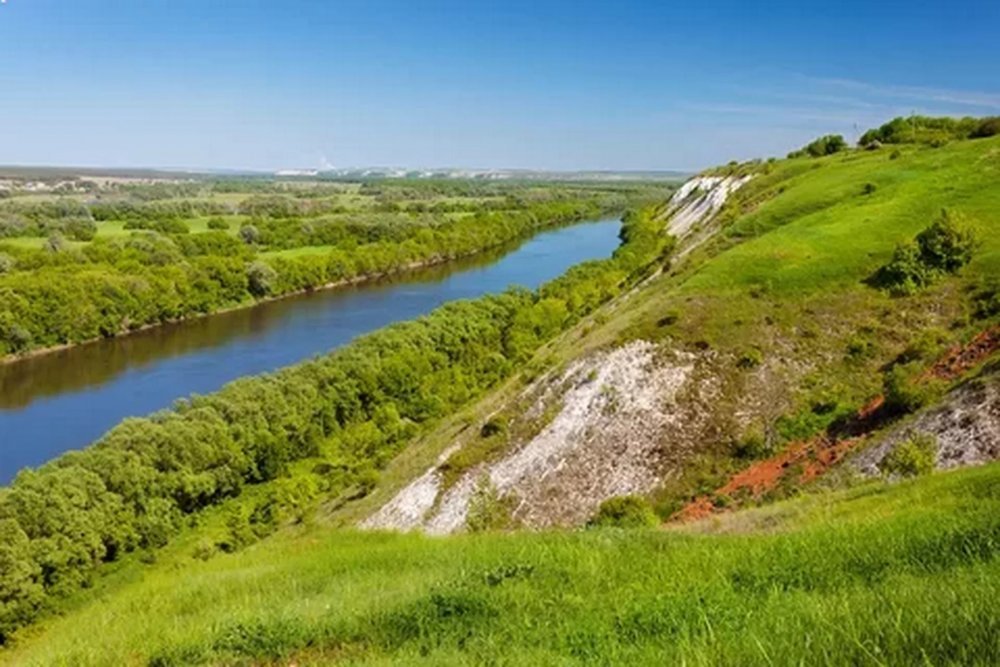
x=613, y=423
x=699, y=200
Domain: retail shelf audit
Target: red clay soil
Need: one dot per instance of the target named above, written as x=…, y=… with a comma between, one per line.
x=818, y=454
x=960, y=359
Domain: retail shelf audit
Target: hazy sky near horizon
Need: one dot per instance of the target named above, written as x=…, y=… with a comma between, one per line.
x=548, y=85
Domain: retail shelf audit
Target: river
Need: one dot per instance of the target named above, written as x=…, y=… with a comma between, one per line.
x=66, y=399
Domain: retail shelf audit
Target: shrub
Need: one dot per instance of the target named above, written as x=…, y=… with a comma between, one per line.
x=859, y=347
x=751, y=358
x=752, y=445
x=943, y=247
x=249, y=234
x=927, y=345
x=487, y=510
x=261, y=278
x=80, y=228
x=905, y=390
x=164, y=226
x=493, y=426
x=987, y=127
x=947, y=245
x=624, y=512
x=922, y=130
x=670, y=317
x=986, y=298
x=217, y=224
x=915, y=456
x=56, y=242
x=7, y=263
x=826, y=145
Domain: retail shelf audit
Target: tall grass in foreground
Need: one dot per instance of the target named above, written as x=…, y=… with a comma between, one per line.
x=882, y=575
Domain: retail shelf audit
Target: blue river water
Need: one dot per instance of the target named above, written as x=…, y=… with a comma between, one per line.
x=66, y=399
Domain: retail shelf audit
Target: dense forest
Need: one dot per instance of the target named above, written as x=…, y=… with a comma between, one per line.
x=335, y=420
x=74, y=270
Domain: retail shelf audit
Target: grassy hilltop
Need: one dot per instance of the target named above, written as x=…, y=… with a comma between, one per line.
x=816, y=309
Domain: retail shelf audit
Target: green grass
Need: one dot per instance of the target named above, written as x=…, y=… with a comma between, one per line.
x=876, y=574
x=823, y=233
x=879, y=574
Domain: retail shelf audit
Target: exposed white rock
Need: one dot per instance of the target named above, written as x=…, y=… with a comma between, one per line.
x=409, y=507
x=699, y=199
x=966, y=428
x=614, y=410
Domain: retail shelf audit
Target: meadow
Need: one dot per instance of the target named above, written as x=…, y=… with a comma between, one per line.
x=877, y=574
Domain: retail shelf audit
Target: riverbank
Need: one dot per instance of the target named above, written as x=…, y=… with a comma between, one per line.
x=67, y=399
x=346, y=282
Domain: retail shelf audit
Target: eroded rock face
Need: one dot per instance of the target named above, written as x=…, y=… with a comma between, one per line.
x=966, y=428
x=699, y=199
x=408, y=508
x=620, y=422
x=603, y=442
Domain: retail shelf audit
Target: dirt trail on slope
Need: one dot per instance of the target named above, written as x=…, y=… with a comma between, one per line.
x=802, y=462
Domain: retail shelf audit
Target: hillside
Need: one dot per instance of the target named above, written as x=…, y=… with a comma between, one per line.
x=764, y=333
x=775, y=349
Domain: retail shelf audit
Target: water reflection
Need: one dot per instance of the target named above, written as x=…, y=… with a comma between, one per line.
x=65, y=400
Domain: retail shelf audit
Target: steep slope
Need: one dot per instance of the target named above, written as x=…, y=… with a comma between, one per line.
x=765, y=335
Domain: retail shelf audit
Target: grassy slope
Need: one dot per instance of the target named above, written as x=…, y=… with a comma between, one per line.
x=872, y=575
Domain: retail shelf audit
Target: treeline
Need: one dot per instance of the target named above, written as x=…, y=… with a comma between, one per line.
x=825, y=145
x=63, y=216
x=930, y=130
x=110, y=286
x=349, y=412
x=127, y=209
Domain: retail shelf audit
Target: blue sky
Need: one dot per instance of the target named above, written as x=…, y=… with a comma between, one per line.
x=549, y=85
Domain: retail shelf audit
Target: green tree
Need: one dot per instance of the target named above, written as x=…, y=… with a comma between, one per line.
x=261, y=278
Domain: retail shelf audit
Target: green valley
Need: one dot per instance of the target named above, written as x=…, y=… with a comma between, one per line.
x=764, y=431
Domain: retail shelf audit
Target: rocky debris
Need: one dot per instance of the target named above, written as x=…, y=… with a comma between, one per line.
x=623, y=421
x=408, y=508
x=602, y=443
x=965, y=427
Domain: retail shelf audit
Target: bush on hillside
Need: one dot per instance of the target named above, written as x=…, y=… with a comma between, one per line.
x=922, y=130
x=947, y=245
x=164, y=226
x=624, y=512
x=80, y=228
x=261, y=278
x=907, y=390
x=250, y=234
x=488, y=510
x=905, y=273
x=915, y=456
x=826, y=145
x=986, y=298
x=751, y=358
x=753, y=445
x=988, y=127
x=943, y=247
